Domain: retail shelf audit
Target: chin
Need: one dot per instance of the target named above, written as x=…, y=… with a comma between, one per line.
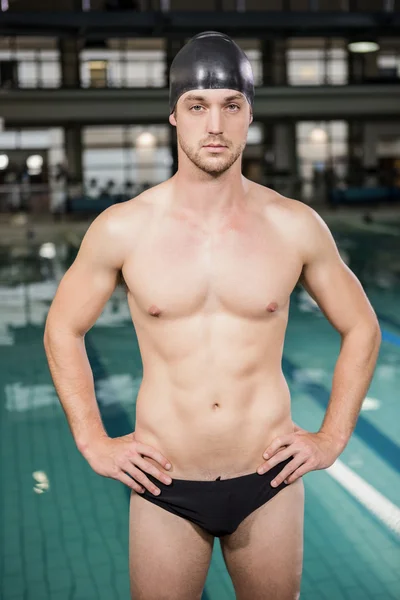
x=215, y=169
x=217, y=163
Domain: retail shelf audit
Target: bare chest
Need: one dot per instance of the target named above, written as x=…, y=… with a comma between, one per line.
x=178, y=270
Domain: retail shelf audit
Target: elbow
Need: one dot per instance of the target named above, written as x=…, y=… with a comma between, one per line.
x=46, y=333
x=46, y=329
x=365, y=329
x=375, y=330
x=378, y=333
x=46, y=341
x=368, y=333
x=371, y=329
x=53, y=333
x=376, y=340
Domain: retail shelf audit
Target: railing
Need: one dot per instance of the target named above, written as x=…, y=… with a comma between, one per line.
x=44, y=199
x=56, y=198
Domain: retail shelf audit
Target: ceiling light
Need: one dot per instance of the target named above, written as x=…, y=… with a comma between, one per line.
x=146, y=140
x=47, y=250
x=34, y=162
x=318, y=135
x=3, y=161
x=363, y=46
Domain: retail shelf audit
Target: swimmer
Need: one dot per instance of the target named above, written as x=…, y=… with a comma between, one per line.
x=210, y=260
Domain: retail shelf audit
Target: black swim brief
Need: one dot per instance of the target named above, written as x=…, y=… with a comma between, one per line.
x=217, y=506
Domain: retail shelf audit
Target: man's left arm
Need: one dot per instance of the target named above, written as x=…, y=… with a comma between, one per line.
x=342, y=300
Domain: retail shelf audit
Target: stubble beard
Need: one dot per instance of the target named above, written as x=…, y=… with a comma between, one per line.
x=212, y=164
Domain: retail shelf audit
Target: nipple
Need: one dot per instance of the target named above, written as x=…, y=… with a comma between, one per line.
x=272, y=307
x=154, y=311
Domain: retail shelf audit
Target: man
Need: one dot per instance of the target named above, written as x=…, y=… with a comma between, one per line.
x=210, y=259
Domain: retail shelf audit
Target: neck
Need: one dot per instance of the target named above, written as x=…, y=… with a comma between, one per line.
x=209, y=196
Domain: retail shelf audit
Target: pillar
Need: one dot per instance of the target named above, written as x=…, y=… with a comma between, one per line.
x=273, y=57
x=69, y=61
x=362, y=66
x=285, y=152
x=172, y=46
x=74, y=152
x=268, y=154
x=356, y=152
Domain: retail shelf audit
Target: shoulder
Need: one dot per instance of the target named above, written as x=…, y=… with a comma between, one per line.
x=129, y=217
x=282, y=207
x=297, y=221
x=113, y=234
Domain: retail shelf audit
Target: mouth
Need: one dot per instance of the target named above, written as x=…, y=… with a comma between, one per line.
x=215, y=148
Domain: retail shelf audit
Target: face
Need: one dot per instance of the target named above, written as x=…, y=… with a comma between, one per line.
x=212, y=127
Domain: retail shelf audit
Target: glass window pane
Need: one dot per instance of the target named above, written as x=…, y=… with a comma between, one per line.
x=338, y=149
x=160, y=132
x=103, y=136
x=35, y=139
x=306, y=66
x=50, y=74
x=337, y=72
x=8, y=139
x=387, y=60
x=115, y=74
x=28, y=55
x=338, y=130
x=27, y=74
x=103, y=158
x=145, y=68
x=304, y=71
x=304, y=129
x=255, y=134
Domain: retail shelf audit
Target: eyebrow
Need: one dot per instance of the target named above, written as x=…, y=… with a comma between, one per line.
x=192, y=97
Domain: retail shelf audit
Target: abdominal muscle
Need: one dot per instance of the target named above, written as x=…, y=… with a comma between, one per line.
x=208, y=433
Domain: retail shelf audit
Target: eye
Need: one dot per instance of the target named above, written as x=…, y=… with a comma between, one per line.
x=196, y=106
x=234, y=106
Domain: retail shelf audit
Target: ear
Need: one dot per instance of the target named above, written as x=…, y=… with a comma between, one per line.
x=172, y=119
x=251, y=118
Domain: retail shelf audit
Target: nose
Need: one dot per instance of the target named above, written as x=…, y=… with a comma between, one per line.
x=214, y=124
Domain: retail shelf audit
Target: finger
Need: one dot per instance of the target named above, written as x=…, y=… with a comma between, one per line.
x=276, y=459
x=148, y=467
x=286, y=471
x=153, y=453
x=305, y=468
x=282, y=440
x=124, y=478
x=141, y=478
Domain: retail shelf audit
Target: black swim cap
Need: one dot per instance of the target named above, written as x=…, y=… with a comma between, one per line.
x=210, y=60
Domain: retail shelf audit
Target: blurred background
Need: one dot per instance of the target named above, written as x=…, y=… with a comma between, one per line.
x=83, y=125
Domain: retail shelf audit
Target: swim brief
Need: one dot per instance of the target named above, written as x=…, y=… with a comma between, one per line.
x=217, y=506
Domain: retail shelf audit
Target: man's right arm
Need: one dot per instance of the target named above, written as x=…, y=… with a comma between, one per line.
x=80, y=299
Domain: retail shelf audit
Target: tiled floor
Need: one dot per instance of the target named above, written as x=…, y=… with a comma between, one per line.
x=64, y=529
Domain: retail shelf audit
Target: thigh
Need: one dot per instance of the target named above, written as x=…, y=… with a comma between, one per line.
x=169, y=556
x=264, y=556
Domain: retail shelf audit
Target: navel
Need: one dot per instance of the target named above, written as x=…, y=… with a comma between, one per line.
x=272, y=307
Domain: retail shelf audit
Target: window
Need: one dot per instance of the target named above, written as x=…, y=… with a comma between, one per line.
x=316, y=62
x=137, y=154
x=322, y=153
x=36, y=60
